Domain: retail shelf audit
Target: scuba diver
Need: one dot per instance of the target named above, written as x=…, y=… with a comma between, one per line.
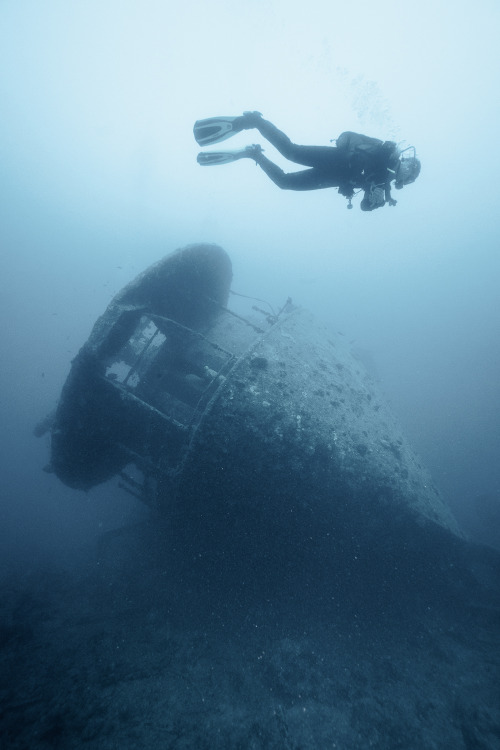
x=356, y=162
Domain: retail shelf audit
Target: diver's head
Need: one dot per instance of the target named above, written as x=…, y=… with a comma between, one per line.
x=408, y=169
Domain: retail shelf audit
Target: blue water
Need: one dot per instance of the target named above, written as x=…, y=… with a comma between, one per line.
x=101, y=644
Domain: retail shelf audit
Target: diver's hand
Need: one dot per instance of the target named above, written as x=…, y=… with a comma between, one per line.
x=392, y=202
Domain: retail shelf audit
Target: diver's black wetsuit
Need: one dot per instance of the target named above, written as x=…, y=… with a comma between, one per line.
x=356, y=162
x=329, y=166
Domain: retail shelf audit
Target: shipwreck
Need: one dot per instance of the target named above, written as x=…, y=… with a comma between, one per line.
x=247, y=432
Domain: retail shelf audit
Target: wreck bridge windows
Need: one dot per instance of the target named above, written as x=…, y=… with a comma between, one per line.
x=168, y=366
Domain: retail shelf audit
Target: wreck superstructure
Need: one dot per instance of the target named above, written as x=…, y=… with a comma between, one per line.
x=227, y=421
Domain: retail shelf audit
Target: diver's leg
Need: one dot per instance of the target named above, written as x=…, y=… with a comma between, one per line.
x=322, y=157
x=307, y=179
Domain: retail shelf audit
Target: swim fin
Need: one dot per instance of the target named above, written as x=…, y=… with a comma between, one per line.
x=211, y=158
x=216, y=129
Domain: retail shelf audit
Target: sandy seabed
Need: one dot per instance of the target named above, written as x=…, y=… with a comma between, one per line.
x=115, y=655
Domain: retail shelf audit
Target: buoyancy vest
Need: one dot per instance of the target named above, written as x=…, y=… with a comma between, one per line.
x=369, y=160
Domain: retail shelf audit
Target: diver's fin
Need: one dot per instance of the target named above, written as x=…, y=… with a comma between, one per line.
x=211, y=158
x=216, y=129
